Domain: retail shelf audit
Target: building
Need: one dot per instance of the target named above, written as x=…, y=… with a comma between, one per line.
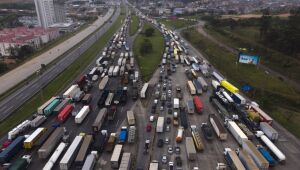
x=64, y=27
x=20, y=36
x=50, y=12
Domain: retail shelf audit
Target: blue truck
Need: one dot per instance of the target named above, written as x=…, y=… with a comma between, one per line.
x=266, y=155
x=12, y=149
x=123, y=135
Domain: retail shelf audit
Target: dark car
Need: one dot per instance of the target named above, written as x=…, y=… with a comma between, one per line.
x=160, y=143
x=169, y=104
x=170, y=111
x=168, y=120
x=178, y=161
x=149, y=127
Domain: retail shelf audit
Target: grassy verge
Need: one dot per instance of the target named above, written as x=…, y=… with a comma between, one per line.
x=134, y=25
x=176, y=24
x=148, y=62
x=61, y=81
x=249, y=38
x=274, y=96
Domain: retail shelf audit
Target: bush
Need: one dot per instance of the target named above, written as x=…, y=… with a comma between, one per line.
x=149, y=32
x=146, y=47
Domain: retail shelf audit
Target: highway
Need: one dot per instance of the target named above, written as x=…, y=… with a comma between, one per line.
x=16, y=99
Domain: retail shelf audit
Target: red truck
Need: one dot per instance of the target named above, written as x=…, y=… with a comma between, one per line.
x=64, y=114
x=81, y=81
x=198, y=104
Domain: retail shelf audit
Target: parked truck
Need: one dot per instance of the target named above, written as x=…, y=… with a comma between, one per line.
x=82, y=114
x=116, y=156
x=203, y=83
x=30, y=141
x=37, y=121
x=131, y=134
x=269, y=131
x=153, y=165
x=102, y=115
x=70, y=154
x=218, y=127
x=102, y=98
x=130, y=118
x=207, y=131
x=40, y=109
x=111, y=142
x=197, y=138
x=125, y=161
x=61, y=106
x=266, y=155
x=103, y=83
x=84, y=149
x=191, y=87
x=123, y=135
x=21, y=163
x=236, y=132
x=220, y=109
x=90, y=161
x=116, y=71
x=160, y=125
x=175, y=119
x=179, y=136
x=183, y=118
x=190, y=149
x=71, y=91
x=259, y=160
x=190, y=106
x=178, y=92
x=51, y=143
x=198, y=86
x=64, y=114
x=144, y=90
x=247, y=161
x=41, y=140
x=233, y=160
x=12, y=149
x=198, y=104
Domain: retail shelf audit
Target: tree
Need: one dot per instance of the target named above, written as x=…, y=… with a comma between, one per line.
x=3, y=67
x=265, y=23
x=149, y=32
x=146, y=47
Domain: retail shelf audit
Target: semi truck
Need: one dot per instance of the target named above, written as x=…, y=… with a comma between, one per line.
x=131, y=134
x=123, y=135
x=71, y=91
x=90, y=161
x=111, y=142
x=84, y=149
x=61, y=106
x=191, y=87
x=198, y=86
x=116, y=156
x=218, y=127
x=70, y=154
x=264, y=117
x=125, y=161
x=40, y=109
x=233, y=160
x=207, y=131
x=130, y=118
x=21, y=163
x=111, y=112
x=102, y=98
x=41, y=140
x=51, y=143
x=190, y=106
x=64, y=114
x=183, y=119
x=266, y=155
x=179, y=136
x=197, y=138
x=82, y=114
x=160, y=125
x=259, y=160
x=198, y=104
x=190, y=149
x=203, y=83
x=103, y=83
x=220, y=109
x=144, y=90
x=236, y=132
x=37, y=121
x=29, y=142
x=19, y=129
x=109, y=99
x=102, y=115
x=269, y=131
x=12, y=149
x=247, y=161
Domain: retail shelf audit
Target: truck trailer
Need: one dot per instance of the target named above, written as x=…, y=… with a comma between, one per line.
x=218, y=127
x=102, y=115
x=190, y=149
x=160, y=125
x=116, y=156
x=84, y=149
x=233, y=160
x=236, y=132
x=259, y=160
x=82, y=114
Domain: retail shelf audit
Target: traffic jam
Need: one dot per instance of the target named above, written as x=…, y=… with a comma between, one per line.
x=84, y=123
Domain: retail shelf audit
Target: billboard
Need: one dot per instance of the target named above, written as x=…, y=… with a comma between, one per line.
x=248, y=59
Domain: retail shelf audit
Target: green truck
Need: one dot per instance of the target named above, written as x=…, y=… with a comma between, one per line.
x=21, y=163
x=49, y=109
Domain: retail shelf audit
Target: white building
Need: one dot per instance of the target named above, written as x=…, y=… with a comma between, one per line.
x=49, y=12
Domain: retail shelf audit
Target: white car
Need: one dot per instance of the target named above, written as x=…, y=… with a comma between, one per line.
x=168, y=128
x=151, y=118
x=166, y=140
x=170, y=149
x=164, y=159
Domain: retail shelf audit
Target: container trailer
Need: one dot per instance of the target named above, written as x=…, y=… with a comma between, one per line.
x=238, y=99
x=110, y=71
x=236, y=132
x=12, y=149
x=160, y=125
x=109, y=99
x=190, y=149
x=198, y=104
x=191, y=87
x=176, y=103
x=71, y=91
x=247, y=161
x=58, y=151
x=269, y=131
x=259, y=160
x=217, y=76
x=21, y=163
x=103, y=83
x=218, y=127
x=267, y=155
x=40, y=109
x=183, y=119
x=111, y=142
x=51, y=143
x=197, y=138
x=64, y=114
x=82, y=114
x=70, y=154
x=102, y=98
x=90, y=161
x=228, y=86
x=116, y=156
x=37, y=121
x=44, y=137
x=125, y=161
x=131, y=134
x=203, y=83
x=190, y=106
x=116, y=71
x=61, y=105
x=198, y=86
x=233, y=160
x=102, y=115
x=130, y=118
x=19, y=129
x=84, y=149
x=144, y=90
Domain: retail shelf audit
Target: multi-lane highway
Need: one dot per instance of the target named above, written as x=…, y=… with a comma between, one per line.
x=16, y=99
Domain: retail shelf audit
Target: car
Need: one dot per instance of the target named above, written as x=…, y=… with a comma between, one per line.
x=164, y=159
x=169, y=91
x=166, y=140
x=169, y=96
x=169, y=104
x=151, y=119
x=170, y=111
x=161, y=108
x=178, y=161
x=168, y=120
x=160, y=143
x=170, y=149
x=171, y=165
x=149, y=127
x=177, y=150
x=168, y=128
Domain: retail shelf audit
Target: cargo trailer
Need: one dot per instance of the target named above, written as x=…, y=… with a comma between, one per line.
x=197, y=86
x=61, y=106
x=102, y=115
x=87, y=98
x=37, y=121
x=191, y=87
x=190, y=106
x=40, y=110
x=198, y=104
x=21, y=163
x=44, y=137
x=160, y=125
x=110, y=71
x=29, y=142
x=111, y=142
x=82, y=114
x=218, y=127
x=144, y=90
x=183, y=119
x=131, y=134
x=109, y=99
x=102, y=98
x=130, y=118
x=217, y=76
x=90, y=162
x=84, y=149
x=233, y=160
x=203, y=83
x=103, y=82
x=236, y=132
x=125, y=161
x=197, y=138
x=54, y=157
x=220, y=109
x=176, y=103
x=70, y=154
x=267, y=155
x=71, y=91
x=51, y=143
x=123, y=135
x=116, y=156
x=238, y=99
x=64, y=114
x=116, y=71
x=153, y=165
x=12, y=149
x=259, y=160
x=269, y=131
x=247, y=161
x=18, y=129
x=190, y=149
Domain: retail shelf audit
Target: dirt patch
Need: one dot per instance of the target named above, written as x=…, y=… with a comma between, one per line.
x=246, y=16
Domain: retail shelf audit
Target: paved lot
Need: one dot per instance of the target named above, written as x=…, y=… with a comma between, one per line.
x=20, y=73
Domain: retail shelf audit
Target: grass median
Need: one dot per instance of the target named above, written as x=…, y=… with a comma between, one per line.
x=178, y=23
x=278, y=99
x=61, y=81
x=134, y=25
x=148, y=62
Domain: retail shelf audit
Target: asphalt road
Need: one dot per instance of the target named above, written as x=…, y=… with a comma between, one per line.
x=16, y=99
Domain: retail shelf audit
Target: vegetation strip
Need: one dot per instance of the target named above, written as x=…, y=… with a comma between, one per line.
x=134, y=25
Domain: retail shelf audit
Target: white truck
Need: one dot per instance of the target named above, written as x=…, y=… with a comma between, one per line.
x=58, y=151
x=130, y=118
x=70, y=154
x=125, y=161
x=269, y=131
x=144, y=90
x=37, y=121
x=237, y=133
x=110, y=71
x=103, y=82
x=116, y=71
x=176, y=103
x=116, y=156
x=71, y=91
x=131, y=134
x=160, y=125
x=82, y=114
